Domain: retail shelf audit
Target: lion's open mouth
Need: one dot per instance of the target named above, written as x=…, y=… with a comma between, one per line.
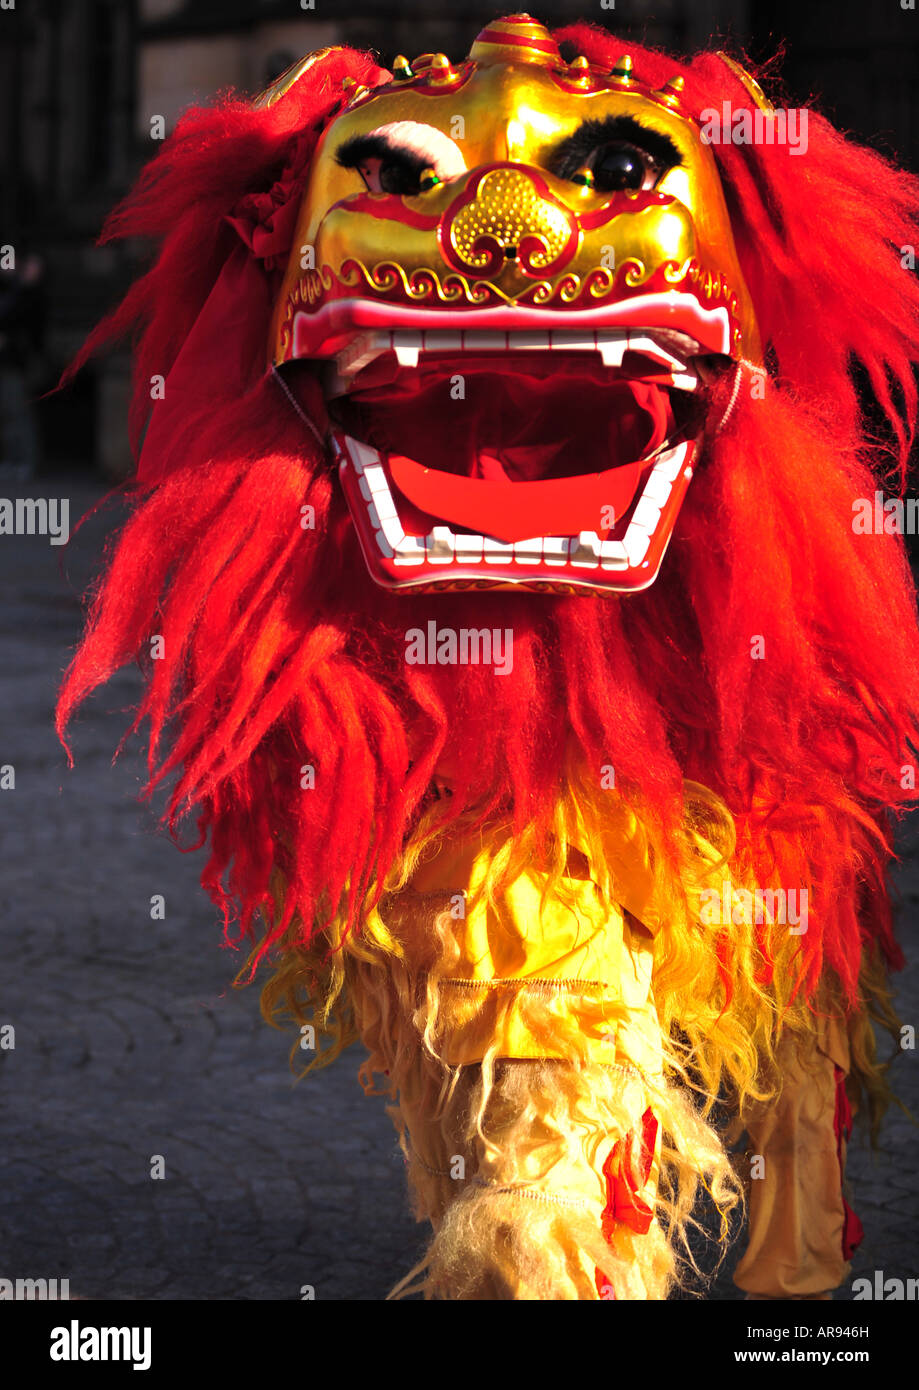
x=497, y=459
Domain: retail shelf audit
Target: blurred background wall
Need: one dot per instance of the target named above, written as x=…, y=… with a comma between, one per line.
x=82, y=80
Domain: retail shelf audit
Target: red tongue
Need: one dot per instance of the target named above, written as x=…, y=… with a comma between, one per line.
x=515, y=511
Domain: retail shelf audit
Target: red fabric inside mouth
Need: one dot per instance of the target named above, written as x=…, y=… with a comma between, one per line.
x=513, y=451
x=516, y=511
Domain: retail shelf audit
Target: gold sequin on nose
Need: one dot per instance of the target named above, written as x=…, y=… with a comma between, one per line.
x=508, y=207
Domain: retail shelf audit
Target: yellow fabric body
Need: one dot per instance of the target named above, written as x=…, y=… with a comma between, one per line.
x=794, y=1241
x=542, y=1003
x=517, y=1029
x=568, y=943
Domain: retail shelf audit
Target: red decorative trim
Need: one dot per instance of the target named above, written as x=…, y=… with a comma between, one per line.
x=389, y=207
x=852, y=1230
x=501, y=37
x=622, y=202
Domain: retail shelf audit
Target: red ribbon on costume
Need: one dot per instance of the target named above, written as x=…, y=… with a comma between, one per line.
x=627, y=1170
x=852, y=1229
x=266, y=221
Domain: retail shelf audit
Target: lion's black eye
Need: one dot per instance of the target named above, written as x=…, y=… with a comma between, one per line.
x=619, y=167
x=388, y=168
x=615, y=155
x=403, y=158
x=384, y=169
x=401, y=175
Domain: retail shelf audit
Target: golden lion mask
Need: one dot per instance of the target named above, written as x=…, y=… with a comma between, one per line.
x=509, y=271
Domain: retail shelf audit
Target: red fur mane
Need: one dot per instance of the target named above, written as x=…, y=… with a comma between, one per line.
x=280, y=652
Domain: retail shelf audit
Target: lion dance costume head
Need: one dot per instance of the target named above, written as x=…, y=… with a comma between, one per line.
x=496, y=519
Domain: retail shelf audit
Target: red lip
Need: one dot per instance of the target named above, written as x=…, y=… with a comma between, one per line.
x=323, y=331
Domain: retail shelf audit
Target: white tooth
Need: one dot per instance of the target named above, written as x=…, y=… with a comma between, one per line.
x=474, y=341
x=496, y=552
x=375, y=479
x=383, y=508
x=585, y=550
x=361, y=454
x=612, y=347
x=365, y=488
x=407, y=347
x=685, y=381
x=528, y=340
x=409, y=551
x=635, y=545
x=657, y=488
x=525, y=552
x=640, y=342
x=361, y=351
x=613, y=555
x=682, y=345
x=646, y=514
x=387, y=519
x=575, y=338
x=439, y=546
x=555, y=550
x=468, y=548
x=441, y=341
x=384, y=545
x=669, y=465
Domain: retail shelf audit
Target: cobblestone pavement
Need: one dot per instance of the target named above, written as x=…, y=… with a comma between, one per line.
x=130, y=1042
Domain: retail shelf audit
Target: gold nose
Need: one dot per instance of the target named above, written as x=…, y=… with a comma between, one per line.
x=508, y=214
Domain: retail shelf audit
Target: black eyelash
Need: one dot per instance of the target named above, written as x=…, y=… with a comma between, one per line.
x=360, y=147
x=571, y=154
